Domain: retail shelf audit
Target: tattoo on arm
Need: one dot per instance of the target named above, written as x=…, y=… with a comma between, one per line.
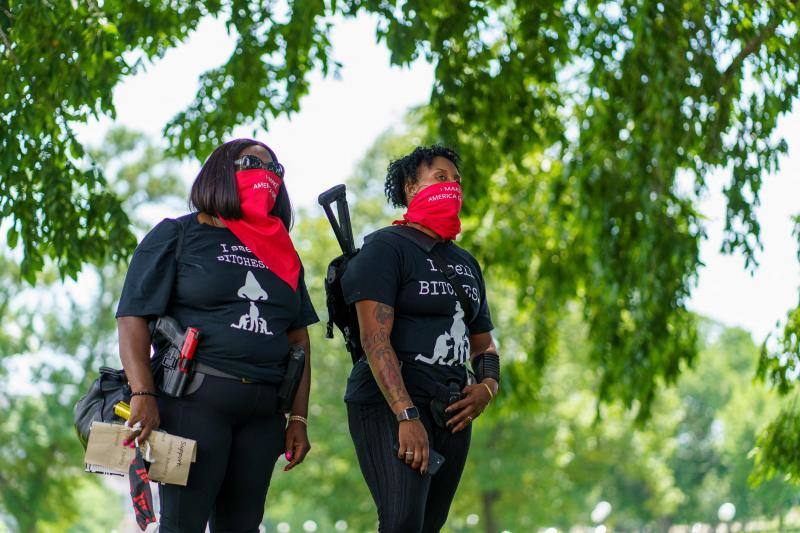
x=376, y=329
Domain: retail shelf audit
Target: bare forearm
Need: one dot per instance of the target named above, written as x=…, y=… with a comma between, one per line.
x=134, y=352
x=382, y=358
x=480, y=343
x=386, y=369
x=300, y=403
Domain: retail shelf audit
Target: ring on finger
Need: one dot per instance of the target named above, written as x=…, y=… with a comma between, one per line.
x=409, y=453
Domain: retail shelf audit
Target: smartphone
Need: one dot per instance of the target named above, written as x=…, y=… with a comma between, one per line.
x=435, y=459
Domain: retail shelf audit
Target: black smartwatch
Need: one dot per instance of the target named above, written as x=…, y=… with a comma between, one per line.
x=409, y=413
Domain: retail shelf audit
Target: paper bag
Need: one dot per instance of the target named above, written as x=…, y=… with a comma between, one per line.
x=172, y=455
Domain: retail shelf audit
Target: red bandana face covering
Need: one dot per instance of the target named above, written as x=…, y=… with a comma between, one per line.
x=264, y=234
x=436, y=207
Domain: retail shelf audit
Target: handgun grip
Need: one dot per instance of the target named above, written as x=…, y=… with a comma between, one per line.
x=169, y=328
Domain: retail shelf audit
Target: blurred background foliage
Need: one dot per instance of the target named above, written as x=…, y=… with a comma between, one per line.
x=589, y=130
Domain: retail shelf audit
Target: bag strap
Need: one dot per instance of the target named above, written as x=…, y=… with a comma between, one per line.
x=429, y=246
x=155, y=362
x=179, y=243
x=450, y=273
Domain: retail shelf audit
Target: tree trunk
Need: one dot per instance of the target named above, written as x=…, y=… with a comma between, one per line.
x=487, y=500
x=663, y=524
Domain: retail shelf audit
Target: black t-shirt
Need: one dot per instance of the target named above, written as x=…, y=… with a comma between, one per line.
x=216, y=284
x=431, y=332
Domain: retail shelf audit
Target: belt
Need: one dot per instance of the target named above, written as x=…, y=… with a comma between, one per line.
x=210, y=371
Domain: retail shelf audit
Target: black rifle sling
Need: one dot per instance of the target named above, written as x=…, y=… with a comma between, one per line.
x=450, y=274
x=428, y=244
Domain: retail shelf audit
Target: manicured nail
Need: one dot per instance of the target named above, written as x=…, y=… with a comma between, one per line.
x=288, y=456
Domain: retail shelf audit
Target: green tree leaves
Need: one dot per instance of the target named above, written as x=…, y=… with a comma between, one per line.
x=62, y=338
x=581, y=124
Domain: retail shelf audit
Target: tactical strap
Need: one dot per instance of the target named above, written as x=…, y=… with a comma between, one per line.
x=428, y=245
x=450, y=274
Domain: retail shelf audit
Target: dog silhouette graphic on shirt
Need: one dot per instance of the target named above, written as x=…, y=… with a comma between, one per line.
x=456, y=340
x=251, y=321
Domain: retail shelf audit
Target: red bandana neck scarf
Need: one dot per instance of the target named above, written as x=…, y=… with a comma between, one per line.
x=436, y=207
x=264, y=234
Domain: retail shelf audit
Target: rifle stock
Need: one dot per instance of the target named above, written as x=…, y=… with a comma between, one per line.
x=342, y=228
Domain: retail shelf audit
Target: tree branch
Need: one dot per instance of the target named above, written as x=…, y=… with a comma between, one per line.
x=7, y=44
x=750, y=48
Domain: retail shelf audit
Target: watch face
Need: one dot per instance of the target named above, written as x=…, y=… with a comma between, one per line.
x=412, y=413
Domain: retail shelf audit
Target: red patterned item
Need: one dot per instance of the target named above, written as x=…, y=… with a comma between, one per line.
x=264, y=234
x=436, y=207
x=140, y=491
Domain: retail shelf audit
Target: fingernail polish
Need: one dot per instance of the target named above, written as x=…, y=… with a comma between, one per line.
x=288, y=456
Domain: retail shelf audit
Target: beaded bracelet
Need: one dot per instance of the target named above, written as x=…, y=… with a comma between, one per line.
x=144, y=393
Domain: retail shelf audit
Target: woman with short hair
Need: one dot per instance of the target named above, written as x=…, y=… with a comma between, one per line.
x=423, y=314
x=230, y=270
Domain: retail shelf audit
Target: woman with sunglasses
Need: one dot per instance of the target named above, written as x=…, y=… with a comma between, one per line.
x=230, y=270
x=423, y=315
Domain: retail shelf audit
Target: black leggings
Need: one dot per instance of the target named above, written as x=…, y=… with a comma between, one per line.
x=407, y=501
x=239, y=437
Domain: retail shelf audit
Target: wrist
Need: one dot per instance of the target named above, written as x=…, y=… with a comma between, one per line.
x=492, y=384
x=408, y=415
x=298, y=418
x=144, y=393
x=401, y=405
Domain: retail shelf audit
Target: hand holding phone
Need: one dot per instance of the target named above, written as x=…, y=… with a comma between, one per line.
x=435, y=459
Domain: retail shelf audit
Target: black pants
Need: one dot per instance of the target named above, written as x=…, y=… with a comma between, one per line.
x=407, y=501
x=239, y=437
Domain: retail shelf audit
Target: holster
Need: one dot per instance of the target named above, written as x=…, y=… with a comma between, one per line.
x=442, y=398
x=292, y=378
x=175, y=348
x=172, y=381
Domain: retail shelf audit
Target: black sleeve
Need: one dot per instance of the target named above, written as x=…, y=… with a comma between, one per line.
x=373, y=274
x=483, y=321
x=148, y=284
x=307, y=314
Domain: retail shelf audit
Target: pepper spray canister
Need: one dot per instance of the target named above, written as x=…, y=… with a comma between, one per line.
x=122, y=410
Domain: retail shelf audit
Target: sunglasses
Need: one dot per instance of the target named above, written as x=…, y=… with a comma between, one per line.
x=250, y=162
